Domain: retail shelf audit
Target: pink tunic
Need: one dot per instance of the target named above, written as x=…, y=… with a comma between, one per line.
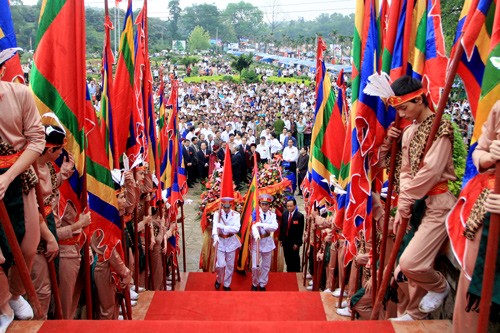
x=21, y=123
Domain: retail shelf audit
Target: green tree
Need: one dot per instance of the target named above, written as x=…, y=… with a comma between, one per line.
x=174, y=10
x=450, y=12
x=205, y=15
x=188, y=61
x=199, y=39
x=242, y=62
x=246, y=19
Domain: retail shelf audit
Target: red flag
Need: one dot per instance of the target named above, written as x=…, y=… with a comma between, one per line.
x=226, y=186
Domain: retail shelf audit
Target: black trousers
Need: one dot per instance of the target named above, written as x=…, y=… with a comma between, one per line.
x=292, y=258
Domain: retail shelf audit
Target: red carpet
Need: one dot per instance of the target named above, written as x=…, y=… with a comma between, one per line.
x=199, y=281
x=139, y=326
x=236, y=306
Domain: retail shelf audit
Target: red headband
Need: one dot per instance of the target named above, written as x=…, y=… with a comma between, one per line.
x=398, y=100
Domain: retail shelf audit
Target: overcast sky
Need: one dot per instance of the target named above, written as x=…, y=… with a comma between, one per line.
x=284, y=9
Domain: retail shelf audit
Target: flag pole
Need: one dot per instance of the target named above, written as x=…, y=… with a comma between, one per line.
x=182, y=219
x=387, y=215
x=452, y=70
x=388, y=44
x=305, y=252
x=490, y=263
x=394, y=150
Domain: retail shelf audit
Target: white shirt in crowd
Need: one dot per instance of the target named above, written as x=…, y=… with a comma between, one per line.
x=287, y=124
x=274, y=146
x=263, y=151
x=225, y=136
x=290, y=154
x=189, y=136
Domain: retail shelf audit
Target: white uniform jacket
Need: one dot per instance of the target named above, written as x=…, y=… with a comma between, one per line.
x=266, y=238
x=230, y=226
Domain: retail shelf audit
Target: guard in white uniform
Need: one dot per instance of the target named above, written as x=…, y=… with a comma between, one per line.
x=225, y=239
x=263, y=231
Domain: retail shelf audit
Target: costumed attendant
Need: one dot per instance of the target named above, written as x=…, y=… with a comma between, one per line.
x=157, y=226
x=22, y=140
x=427, y=287
x=261, y=232
x=106, y=268
x=468, y=225
x=50, y=181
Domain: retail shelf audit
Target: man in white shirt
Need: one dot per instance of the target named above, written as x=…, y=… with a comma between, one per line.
x=263, y=150
x=225, y=134
x=274, y=145
x=262, y=232
x=290, y=157
x=283, y=136
x=225, y=227
x=266, y=133
x=207, y=130
x=250, y=136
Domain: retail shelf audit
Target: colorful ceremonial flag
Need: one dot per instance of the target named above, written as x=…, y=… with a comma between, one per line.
x=414, y=45
x=478, y=67
x=249, y=215
x=106, y=118
x=427, y=58
x=14, y=71
x=123, y=89
x=152, y=142
x=383, y=22
x=486, y=18
x=58, y=80
x=368, y=123
x=173, y=172
x=324, y=158
x=101, y=193
x=162, y=132
x=390, y=34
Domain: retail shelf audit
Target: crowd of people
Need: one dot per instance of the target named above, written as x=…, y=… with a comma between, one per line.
x=268, y=119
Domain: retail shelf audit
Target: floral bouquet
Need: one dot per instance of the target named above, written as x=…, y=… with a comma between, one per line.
x=271, y=180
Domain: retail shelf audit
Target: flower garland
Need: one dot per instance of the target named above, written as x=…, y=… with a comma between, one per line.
x=271, y=181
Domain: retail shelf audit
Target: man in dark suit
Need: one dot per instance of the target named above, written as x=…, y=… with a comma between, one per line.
x=291, y=230
x=237, y=162
x=189, y=156
x=221, y=152
x=203, y=156
x=245, y=152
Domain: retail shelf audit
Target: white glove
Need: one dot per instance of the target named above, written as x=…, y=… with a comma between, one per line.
x=255, y=232
x=216, y=240
x=259, y=224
